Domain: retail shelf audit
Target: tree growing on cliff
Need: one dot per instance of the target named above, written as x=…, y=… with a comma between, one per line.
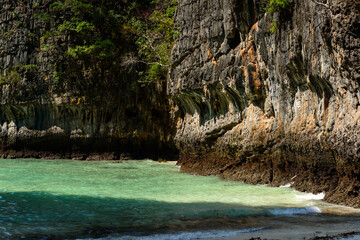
x=84, y=35
x=92, y=31
x=273, y=6
x=155, y=35
x=85, y=23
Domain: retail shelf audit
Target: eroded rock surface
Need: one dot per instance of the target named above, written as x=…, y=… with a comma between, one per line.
x=96, y=109
x=270, y=108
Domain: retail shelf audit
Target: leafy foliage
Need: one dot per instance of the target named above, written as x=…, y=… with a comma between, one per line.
x=42, y=16
x=81, y=23
x=91, y=33
x=85, y=37
x=273, y=6
x=154, y=32
x=274, y=27
x=11, y=77
x=75, y=6
x=276, y=5
x=7, y=34
x=56, y=77
x=14, y=73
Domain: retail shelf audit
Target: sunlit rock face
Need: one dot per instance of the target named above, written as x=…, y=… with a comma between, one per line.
x=270, y=108
x=97, y=110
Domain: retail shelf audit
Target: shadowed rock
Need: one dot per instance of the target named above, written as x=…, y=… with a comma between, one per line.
x=270, y=108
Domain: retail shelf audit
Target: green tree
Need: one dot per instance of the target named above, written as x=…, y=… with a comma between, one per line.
x=91, y=40
x=273, y=6
x=15, y=73
x=93, y=31
x=85, y=36
x=154, y=31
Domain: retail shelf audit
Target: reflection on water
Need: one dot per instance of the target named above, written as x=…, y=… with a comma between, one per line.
x=140, y=198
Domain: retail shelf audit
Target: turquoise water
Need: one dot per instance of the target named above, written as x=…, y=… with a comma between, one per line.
x=77, y=199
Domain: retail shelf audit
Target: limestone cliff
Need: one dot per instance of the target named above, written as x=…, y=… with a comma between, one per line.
x=250, y=104
x=270, y=108
x=80, y=108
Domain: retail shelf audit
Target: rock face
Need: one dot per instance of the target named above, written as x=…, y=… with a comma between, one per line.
x=270, y=108
x=97, y=110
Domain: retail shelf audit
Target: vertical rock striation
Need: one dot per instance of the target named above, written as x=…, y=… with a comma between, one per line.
x=270, y=108
x=97, y=110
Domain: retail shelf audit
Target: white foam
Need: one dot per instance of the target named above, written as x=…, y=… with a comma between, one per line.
x=187, y=235
x=286, y=185
x=295, y=211
x=310, y=196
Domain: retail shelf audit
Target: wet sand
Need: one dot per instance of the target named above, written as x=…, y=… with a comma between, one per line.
x=306, y=228
x=296, y=234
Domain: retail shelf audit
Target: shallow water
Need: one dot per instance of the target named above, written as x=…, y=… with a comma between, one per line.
x=142, y=199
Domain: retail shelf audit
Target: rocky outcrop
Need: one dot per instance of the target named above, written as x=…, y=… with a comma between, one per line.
x=84, y=132
x=270, y=108
x=54, y=106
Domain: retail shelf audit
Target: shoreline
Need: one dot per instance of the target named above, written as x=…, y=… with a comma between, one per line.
x=300, y=228
x=288, y=235
x=329, y=223
x=194, y=171
x=341, y=191
x=288, y=228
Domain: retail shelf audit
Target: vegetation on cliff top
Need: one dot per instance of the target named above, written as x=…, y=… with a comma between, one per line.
x=95, y=31
x=154, y=34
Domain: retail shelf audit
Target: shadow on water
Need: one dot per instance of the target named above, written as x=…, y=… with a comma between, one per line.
x=42, y=215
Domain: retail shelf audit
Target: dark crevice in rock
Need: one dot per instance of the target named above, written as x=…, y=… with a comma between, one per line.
x=234, y=42
x=290, y=97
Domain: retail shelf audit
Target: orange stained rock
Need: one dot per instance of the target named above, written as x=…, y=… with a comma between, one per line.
x=311, y=121
x=209, y=55
x=254, y=27
x=257, y=81
x=314, y=62
x=338, y=124
x=252, y=53
x=356, y=118
x=214, y=61
x=279, y=130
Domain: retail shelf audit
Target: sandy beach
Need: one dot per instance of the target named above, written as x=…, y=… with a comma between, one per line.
x=304, y=230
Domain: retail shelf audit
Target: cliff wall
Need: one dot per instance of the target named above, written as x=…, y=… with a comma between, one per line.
x=249, y=103
x=57, y=106
x=270, y=107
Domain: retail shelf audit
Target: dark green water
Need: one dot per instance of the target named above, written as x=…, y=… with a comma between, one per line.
x=75, y=199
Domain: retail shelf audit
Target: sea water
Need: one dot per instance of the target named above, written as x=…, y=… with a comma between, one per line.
x=138, y=200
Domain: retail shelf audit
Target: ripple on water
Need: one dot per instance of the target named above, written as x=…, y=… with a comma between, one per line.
x=78, y=198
